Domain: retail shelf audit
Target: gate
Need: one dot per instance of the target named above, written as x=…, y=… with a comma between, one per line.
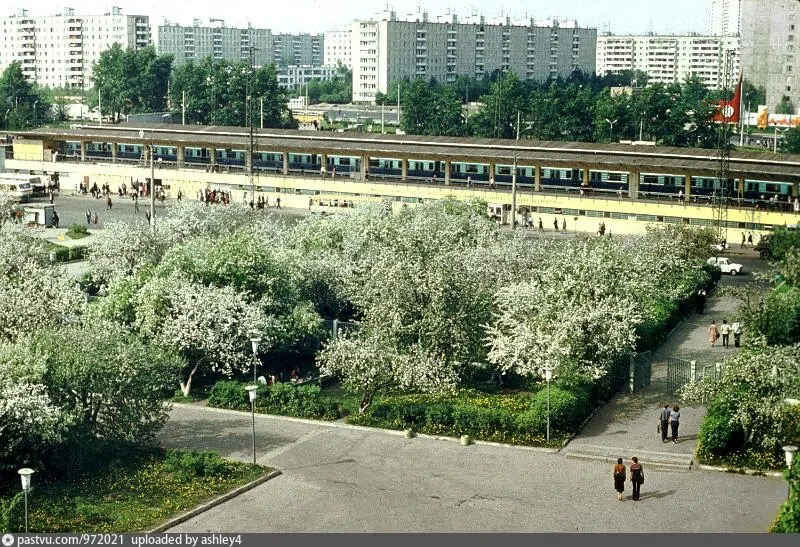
x=339, y=328
x=679, y=373
x=641, y=366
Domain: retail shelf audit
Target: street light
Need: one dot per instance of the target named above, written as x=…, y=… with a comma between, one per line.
x=514, y=174
x=254, y=343
x=548, y=375
x=25, y=475
x=611, y=131
x=252, y=392
x=789, y=452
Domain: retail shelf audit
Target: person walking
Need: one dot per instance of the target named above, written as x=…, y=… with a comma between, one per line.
x=564, y=226
x=663, y=422
x=713, y=334
x=555, y=224
x=737, y=333
x=619, y=479
x=88, y=214
x=52, y=196
x=749, y=238
x=744, y=240
x=180, y=195
x=637, y=478
x=55, y=219
x=725, y=330
x=541, y=225
x=675, y=422
x=135, y=203
x=701, y=301
x=108, y=203
x=95, y=218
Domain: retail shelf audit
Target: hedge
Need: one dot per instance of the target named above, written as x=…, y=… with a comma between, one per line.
x=281, y=399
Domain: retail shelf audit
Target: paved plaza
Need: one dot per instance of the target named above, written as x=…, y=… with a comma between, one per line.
x=350, y=480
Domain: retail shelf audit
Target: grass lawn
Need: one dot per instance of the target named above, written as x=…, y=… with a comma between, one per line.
x=77, y=235
x=134, y=493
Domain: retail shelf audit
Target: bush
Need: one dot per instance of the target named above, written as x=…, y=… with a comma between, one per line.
x=488, y=423
x=567, y=408
x=530, y=423
x=12, y=514
x=718, y=436
x=77, y=230
x=788, y=519
x=188, y=465
x=282, y=399
x=229, y=394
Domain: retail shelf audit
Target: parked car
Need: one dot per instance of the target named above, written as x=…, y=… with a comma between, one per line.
x=720, y=246
x=725, y=265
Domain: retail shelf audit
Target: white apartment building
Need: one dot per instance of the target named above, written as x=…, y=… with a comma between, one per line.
x=726, y=17
x=291, y=77
x=387, y=49
x=339, y=48
x=668, y=59
x=298, y=49
x=214, y=40
x=60, y=50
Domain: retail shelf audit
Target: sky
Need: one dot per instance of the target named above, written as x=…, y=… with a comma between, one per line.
x=623, y=16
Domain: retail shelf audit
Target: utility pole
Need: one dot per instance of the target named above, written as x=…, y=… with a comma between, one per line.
x=152, y=185
x=262, y=112
x=398, y=104
x=99, y=108
x=250, y=122
x=183, y=108
x=514, y=181
x=383, y=109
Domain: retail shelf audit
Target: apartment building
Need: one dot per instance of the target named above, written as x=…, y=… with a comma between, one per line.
x=771, y=48
x=668, y=59
x=339, y=48
x=726, y=17
x=215, y=40
x=291, y=77
x=60, y=50
x=389, y=49
x=298, y=49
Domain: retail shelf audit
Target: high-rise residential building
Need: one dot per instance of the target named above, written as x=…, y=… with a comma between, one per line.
x=669, y=59
x=726, y=17
x=214, y=40
x=298, y=49
x=60, y=50
x=388, y=49
x=292, y=77
x=339, y=48
x=771, y=48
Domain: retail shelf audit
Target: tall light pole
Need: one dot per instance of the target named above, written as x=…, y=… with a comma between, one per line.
x=252, y=393
x=514, y=177
x=611, y=130
x=25, y=475
x=548, y=374
x=251, y=86
x=254, y=342
x=775, y=143
x=789, y=451
x=152, y=181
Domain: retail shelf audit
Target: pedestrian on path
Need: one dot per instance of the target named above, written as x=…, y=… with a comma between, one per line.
x=88, y=214
x=725, y=329
x=541, y=226
x=737, y=333
x=555, y=224
x=55, y=219
x=135, y=203
x=637, y=478
x=564, y=226
x=108, y=203
x=619, y=479
x=95, y=218
x=701, y=301
x=675, y=422
x=744, y=240
x=663, y=422
x=713, y=334
x=749, y=238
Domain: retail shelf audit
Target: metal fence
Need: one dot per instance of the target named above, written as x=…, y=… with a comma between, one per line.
x=683, y=371
x=341, y=328
x=632, y=373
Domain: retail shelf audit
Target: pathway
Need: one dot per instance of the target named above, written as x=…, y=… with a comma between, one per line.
x=627, y=426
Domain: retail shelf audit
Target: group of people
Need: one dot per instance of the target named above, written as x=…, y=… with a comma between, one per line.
x=262, y=202
x=670, y=419
x=725, y=330
x=636, y=478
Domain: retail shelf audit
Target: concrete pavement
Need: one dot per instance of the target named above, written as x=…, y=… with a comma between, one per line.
x=349, y=480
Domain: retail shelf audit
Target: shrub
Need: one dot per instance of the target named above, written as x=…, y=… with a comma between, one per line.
x=188, y=465
x=718, y=436
x=567, y=408
x=77, y=229
x=229, y=394
x=481, y=422
x=530, y=423
x=12, y=514
x=788, y=518
x=440, y=415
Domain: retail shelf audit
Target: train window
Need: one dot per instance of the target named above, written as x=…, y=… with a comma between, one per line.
x=503, y=170
x=617, y=177
x=374, y=163
x=344, y=161
x=582, y=213
x=472, y=168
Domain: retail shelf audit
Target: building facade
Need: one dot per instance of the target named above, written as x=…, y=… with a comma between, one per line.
x=726, y=17
x=339, y=48
x=771, y=49
x=389, y=50
x=60, y=50
x=214, y=40
x=669, y=59
x=298, y=49
x=291, y=77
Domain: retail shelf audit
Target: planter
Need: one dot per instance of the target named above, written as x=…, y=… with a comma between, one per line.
x=408, y=433
x=466, y=440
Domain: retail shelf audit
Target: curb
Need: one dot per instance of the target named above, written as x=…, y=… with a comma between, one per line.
x=745, y=471
x=340, y=425
x=213, y=503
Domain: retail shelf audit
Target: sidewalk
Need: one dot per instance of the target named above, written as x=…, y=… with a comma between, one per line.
x=628, y=423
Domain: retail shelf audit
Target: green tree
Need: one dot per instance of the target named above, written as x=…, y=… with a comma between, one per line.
x=785, y=106
x=22, y=104
x=753, y=95
x=792, y=140
x=498, y=118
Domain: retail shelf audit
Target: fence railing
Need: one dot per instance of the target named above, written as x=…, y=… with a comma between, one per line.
x=683, y=371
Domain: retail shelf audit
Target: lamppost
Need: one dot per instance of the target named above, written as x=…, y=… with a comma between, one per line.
x=152, y=181
x=25, y=475
x=548, y=375
x=514, y=174
x=252, y=392
x=34, y=111
x=775, y=142
x=254, y=344
x=611, y=130
x=789, y=452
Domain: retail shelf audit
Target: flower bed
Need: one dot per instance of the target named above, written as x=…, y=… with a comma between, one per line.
x=131, y=494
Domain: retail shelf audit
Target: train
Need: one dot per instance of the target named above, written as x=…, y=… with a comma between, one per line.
x=656, y=186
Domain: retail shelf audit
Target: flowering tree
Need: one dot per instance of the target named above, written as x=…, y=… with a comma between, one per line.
x=755, y=385
x=368, y=364
x=9, y=210
x=210, y=326
x=120, y=250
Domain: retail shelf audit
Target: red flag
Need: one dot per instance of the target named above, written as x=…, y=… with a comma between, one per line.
x=729, y=111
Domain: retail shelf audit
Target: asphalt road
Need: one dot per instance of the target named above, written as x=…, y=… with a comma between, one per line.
x=351, y=480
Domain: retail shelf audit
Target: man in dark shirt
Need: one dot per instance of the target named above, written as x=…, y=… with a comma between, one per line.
x=664, y=421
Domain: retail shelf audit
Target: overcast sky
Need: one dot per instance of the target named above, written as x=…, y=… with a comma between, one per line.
x=623, y=16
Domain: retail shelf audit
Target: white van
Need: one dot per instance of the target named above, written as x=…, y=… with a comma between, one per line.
x=17, y=187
